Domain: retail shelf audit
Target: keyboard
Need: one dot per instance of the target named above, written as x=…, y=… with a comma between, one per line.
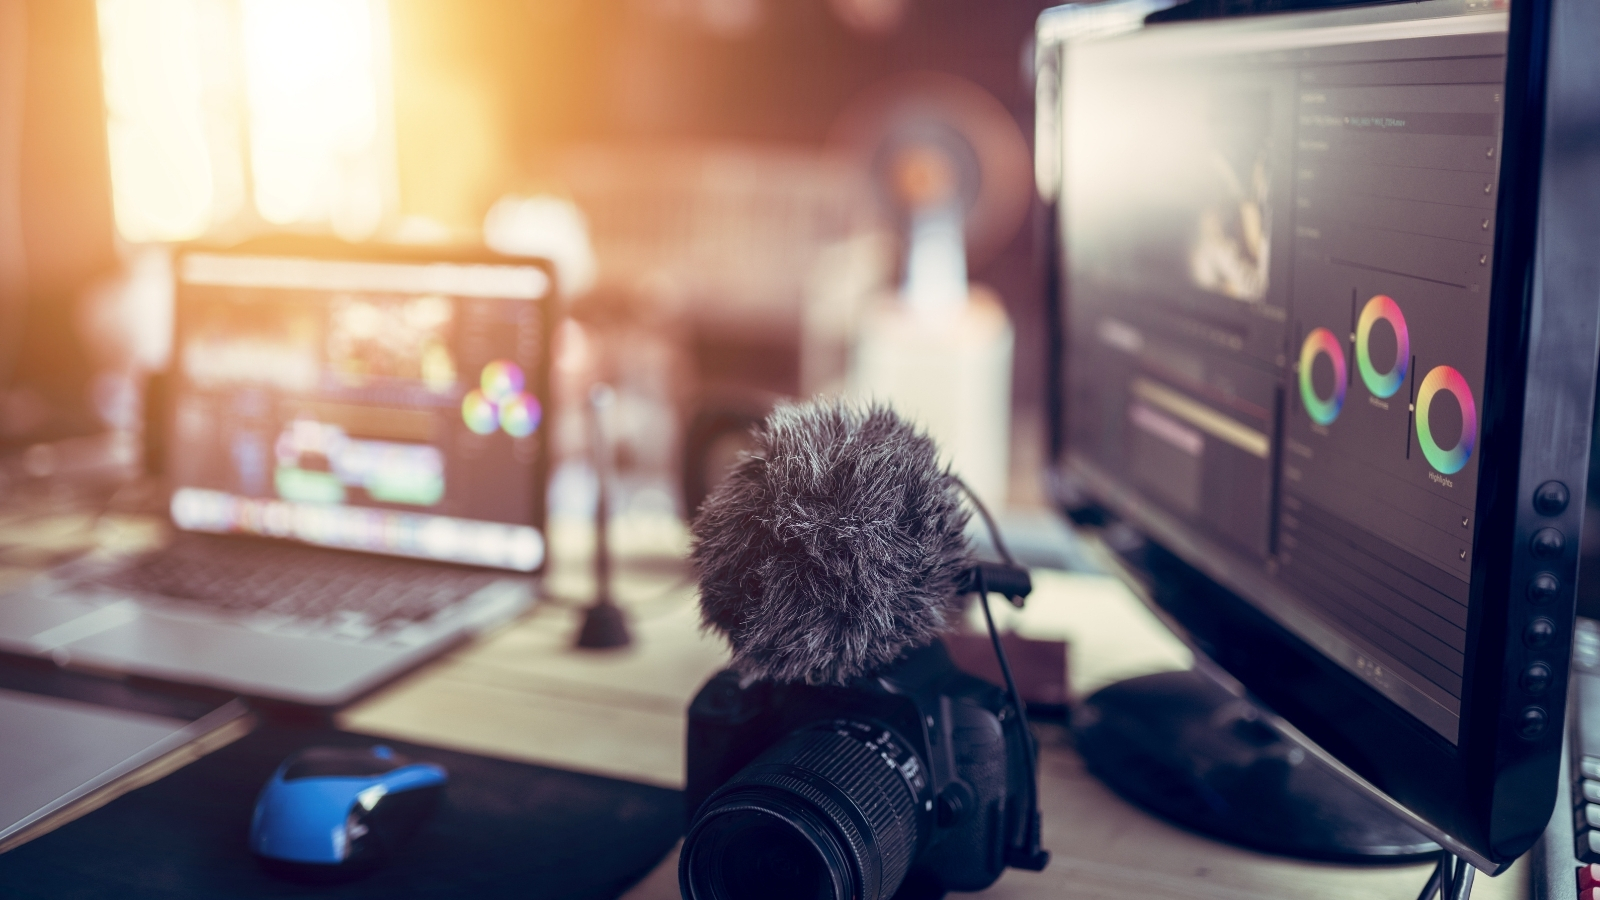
x=1566, y=861
x=356, y=594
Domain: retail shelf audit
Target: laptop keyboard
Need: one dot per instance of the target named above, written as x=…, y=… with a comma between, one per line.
x=361, y=594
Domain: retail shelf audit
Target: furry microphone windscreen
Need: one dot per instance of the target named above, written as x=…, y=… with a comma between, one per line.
x=833, y=548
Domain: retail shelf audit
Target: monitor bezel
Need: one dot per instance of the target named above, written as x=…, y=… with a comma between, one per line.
x=1463, y=789
x=541, y=382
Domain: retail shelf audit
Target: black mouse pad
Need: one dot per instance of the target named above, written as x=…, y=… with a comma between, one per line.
x=504, y=829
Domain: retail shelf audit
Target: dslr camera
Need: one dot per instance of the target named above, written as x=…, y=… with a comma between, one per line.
x=912, y=781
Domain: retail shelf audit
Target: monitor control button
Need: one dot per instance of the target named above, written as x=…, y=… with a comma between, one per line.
x=1532, y=723
x=1539, y=633
x=1551, y=498
x=1590, y=767
x=1589, y=846
x=1536, y=678
x=1544, y=587
x=1547, y=543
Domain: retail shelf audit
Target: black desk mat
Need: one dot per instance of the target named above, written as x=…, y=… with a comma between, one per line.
x=504, y=830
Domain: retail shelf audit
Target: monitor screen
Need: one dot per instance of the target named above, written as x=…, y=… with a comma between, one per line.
x=1277, y=238
x=382, y=406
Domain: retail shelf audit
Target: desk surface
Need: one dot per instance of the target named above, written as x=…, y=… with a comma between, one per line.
x=525, y=694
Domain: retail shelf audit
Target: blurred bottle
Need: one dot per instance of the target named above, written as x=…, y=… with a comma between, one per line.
x=941, y=351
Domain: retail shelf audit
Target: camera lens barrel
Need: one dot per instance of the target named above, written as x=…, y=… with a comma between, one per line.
x=834, y=811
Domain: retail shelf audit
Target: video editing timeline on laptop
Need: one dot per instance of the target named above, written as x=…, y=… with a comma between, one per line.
x=380, y=406
x=1279, y=284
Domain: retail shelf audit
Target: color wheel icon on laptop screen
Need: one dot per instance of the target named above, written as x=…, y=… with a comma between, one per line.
x=499, y=403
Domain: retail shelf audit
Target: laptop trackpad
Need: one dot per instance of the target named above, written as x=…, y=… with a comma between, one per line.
x=305, y=670
x=30, y=623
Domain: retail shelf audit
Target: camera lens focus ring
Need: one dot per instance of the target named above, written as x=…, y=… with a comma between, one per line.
x=860, y=781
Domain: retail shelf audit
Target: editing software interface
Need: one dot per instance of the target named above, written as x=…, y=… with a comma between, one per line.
x=1279, y=242
x=377, y=406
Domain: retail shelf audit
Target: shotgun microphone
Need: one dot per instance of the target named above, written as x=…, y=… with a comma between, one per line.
x=836, y=546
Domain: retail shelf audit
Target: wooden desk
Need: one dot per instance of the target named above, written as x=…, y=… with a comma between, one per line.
x=1105, y=849
x=525, y=694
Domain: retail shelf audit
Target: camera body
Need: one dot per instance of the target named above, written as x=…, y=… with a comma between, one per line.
x=919, y=773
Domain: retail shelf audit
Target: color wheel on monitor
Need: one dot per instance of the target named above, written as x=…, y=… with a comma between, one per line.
x=1445, y=378
x=1382, y=384
x=1319, y=342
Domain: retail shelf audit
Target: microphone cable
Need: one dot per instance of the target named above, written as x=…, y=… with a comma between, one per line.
x=1029, y=855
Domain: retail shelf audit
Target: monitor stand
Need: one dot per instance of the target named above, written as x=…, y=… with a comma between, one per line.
x=1181, y=746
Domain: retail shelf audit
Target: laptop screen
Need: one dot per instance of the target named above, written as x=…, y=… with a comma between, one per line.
x=387, y=407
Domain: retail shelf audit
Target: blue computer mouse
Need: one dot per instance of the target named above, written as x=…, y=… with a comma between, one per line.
x=335, y=812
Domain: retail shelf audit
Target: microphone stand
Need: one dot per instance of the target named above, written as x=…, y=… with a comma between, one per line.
x=605, y=625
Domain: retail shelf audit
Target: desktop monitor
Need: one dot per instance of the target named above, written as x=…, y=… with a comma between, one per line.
x=1327, y=340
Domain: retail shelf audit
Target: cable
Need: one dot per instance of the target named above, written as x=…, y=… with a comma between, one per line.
x=988, y=522
x=1029, y=855
x=1451, y=879
x=999, y=649
x=1435, y=880
x=1461, y=882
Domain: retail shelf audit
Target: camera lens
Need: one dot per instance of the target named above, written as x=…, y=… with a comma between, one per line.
x=819, y=816
x=767, y=852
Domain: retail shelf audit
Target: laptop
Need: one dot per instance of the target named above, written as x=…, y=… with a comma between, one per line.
x=355, y=442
